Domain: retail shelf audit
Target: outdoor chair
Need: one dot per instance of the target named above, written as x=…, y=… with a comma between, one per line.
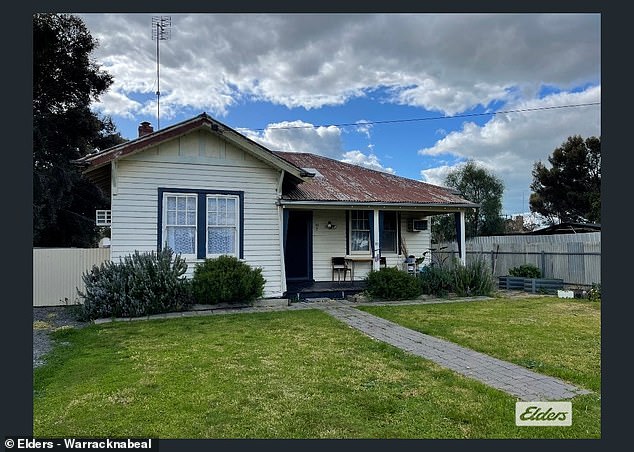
x=339, y=265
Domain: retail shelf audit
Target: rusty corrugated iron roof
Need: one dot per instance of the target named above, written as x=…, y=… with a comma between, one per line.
x=345, y=182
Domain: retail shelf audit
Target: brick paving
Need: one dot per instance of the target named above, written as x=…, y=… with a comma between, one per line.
x=511, y=378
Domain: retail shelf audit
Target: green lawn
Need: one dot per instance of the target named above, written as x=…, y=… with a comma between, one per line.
x=293, y=374
x=553, y=336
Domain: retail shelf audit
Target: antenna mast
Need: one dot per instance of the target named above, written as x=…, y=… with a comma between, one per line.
x=161, y=31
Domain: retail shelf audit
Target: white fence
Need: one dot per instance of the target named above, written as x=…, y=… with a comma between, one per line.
x=575, y=258
x=57, y=273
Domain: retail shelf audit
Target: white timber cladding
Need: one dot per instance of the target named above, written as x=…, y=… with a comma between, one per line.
x=415, y=243
x=202, y=161
x=328, y=243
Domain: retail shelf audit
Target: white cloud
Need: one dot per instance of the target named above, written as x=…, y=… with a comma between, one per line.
x=364, y=127
x=509, y=144
x=436, y=175
x=115, y=103
x=367, y=160
x=435, y=95
x=443, y=62
x=299, y=136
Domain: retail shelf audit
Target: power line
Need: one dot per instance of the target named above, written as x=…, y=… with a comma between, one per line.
x=433, y=118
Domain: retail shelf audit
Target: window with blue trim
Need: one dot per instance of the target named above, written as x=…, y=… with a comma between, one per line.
x=201, y=224
x=360, y=230
x=222, y=225
x=179, y=218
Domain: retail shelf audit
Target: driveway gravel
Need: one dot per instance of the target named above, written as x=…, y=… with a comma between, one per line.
x=46, y=320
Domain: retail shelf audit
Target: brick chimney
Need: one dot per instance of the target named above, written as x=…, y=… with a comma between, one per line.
x=145, y=128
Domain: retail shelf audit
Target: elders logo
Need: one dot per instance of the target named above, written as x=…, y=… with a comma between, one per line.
x=543, y=414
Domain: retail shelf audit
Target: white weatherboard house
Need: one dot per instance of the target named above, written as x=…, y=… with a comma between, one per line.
x=205, y=190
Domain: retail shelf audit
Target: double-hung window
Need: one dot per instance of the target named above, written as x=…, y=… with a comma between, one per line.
x=222, y=224
x=360, y=230
x=201, y=223
x=180, y=217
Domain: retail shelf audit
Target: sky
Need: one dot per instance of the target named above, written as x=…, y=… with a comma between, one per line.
x=413, y=94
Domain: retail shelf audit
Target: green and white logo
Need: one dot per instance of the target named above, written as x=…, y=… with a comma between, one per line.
x=543, y=414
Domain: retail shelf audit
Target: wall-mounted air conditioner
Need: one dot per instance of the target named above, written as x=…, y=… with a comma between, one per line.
x=416, y=225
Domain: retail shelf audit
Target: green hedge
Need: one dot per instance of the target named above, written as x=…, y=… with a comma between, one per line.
x=435, y=281
x=226, y=280
x=392, y=284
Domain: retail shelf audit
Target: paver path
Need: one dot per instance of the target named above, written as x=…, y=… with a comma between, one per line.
x=511, y=378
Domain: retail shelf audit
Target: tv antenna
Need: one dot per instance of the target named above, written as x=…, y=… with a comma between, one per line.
x=161, y=31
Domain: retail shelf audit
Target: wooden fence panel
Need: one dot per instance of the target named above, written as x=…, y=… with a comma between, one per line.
x=57, y=273
x=575, y=258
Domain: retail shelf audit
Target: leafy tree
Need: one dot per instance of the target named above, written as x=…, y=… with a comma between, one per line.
x=570, y=191
x=480, y=186
x=65, y=82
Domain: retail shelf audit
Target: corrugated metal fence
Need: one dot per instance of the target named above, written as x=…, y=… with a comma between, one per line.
x=57, y=273
x=575, y=258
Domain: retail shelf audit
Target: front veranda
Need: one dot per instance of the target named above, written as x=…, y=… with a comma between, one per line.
x=367, y=237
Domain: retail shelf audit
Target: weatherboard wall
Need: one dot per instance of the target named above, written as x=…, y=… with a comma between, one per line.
x=415, y=243
x=328, y=243
x=198, y=160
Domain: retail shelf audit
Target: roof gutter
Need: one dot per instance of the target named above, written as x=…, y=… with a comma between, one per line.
x=392, y=205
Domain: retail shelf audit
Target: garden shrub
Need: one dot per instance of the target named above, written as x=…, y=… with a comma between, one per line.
x=594, y=293
x=391, y=283
x=472, y=279
x=141, y=284
x=435, y=281
x=526, y=271
x=226, y=280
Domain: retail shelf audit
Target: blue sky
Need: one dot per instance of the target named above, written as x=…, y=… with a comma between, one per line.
x=290, y=80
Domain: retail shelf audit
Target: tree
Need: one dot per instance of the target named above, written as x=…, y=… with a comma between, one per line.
x=570, y=191
x=479, y=186
x=65, y=83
